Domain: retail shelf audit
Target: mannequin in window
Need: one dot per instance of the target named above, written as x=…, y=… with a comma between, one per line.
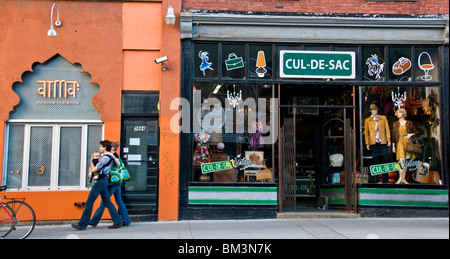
x=377, y=138
x=402, y=131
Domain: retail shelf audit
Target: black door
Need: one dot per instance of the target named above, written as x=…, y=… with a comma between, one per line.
x=140, y=153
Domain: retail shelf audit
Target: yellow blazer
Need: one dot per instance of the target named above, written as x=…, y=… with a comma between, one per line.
x=383, y=128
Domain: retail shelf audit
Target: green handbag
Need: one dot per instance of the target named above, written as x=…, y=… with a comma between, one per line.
x=119, y=174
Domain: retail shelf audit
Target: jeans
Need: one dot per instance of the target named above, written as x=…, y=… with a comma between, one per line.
x=100, y=187
x=112, y=189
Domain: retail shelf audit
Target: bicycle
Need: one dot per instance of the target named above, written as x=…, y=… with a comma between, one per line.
x=17, y=218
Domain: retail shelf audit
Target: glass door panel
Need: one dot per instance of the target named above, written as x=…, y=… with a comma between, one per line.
x=140, y=152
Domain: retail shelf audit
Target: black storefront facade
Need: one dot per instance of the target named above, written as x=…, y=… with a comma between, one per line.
x=286, y=99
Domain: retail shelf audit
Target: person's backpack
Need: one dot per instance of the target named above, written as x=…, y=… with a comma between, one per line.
x=118, y=174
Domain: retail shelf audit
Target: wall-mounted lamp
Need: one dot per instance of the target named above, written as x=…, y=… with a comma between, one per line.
x=170, y=17
x=161, y=61
x=51, y=31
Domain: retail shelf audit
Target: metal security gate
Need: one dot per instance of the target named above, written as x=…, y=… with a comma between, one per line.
x=287, y=167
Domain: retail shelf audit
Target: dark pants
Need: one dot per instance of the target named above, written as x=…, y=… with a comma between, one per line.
x=380, y=155
x=99, y=188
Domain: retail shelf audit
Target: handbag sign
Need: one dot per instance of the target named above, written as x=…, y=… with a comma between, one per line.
x=317, y=64
x=234, y=62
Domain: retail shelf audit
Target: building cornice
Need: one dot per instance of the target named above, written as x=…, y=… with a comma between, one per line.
x=368, y=29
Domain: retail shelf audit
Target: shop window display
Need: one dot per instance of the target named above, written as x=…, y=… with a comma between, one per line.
x=401, y=127
x=232, y=142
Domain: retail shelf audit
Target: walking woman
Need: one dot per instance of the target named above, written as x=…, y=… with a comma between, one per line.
x=100, y=187
x=116, y=190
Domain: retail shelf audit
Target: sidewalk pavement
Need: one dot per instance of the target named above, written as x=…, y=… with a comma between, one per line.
x=287, y=228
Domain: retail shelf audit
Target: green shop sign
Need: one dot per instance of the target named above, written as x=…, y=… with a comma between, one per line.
x=215, y=166
x=317, y=64
x=239, y=163
x=384, y=168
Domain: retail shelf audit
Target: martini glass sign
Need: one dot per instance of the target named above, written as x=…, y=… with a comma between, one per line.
x=426, y=65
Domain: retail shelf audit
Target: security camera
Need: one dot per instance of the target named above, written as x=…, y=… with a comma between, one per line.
x=161, y=59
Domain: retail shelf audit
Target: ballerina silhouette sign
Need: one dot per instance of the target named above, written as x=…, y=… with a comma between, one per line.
x=204, y=56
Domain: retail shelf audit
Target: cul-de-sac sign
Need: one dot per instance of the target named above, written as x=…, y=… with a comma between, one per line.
x=317, y=64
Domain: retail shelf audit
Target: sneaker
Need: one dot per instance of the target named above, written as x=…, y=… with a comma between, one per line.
x=78, y=227
x=115, y=226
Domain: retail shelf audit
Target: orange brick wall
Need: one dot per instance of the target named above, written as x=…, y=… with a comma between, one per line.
x=322, y=6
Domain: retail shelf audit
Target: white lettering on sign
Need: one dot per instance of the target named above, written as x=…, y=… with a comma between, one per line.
x=318, y=64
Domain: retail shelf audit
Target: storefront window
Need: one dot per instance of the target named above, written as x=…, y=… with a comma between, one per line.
x=51, y=156
x=406, y=135
x=52, y=132
x=69, y=147
x=40, y=156
x=140, y=103
x=15, y=156
x=235, y=125
x=230, y=67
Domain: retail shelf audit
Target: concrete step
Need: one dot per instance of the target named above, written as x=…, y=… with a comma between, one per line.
x=316, y=213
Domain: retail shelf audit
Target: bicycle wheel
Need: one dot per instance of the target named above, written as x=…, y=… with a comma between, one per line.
x=6, y=224
x=25, y=219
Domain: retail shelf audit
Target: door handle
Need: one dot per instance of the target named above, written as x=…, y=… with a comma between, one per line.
x=153, y=160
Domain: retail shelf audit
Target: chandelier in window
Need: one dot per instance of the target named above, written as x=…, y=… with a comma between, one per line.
x=234, y=98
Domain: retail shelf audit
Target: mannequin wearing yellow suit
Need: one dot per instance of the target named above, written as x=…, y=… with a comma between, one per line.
x=377, y=137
